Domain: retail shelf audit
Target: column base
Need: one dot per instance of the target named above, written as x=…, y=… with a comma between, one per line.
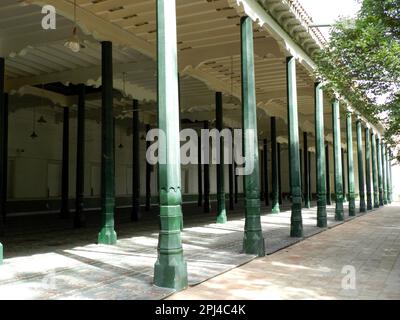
x=107, y=236
x=339, y=212
x=296, y=221
x=322, y=220
x=253, y=243
x=275, y=208
x=170, y=271
x=135, y=214
x=1, y=254
x=352, y=207
x=221, y=217
x=362, y=206
x=307, y=205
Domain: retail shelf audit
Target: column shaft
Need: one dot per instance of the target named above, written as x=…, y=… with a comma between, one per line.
x=253, y=242
x=384, y=175
x=343, y=176
x=79, y=218
x=3, y=101
x=170, y=269
x=65, y=165
x=337, y=142
x=207, y=207
x=307, y=196
x=148, y=175
x=221, y=211
x=278, y=151
x=135, y=214
x=107, y=235
x=389, y=174
x=274, y=168
x=266, y=182
x=368, y=168
x=379, y=163
x=361, y=183
x=350, y=165
x=374, y=172
x=199, y=174
x=3, y=157
x=328, y=176
x=296, y=221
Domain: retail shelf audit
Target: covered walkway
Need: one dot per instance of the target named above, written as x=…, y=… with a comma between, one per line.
x=315, y=268
x=48, y=260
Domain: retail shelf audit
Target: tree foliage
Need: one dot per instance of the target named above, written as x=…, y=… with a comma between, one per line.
x=362, y=63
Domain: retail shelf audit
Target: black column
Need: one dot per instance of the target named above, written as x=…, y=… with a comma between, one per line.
x=4, y=156
x=148, y=175
x=328, y=176
x=199, y=173
x=279, y=174
x=135, y=214
x=309, y=177
x=65, y=166
x=79, y=218
x=206, y=170
x=2, y=108
x=266, y=182
x=236, y=183
x=306, y=184
x=231, y=180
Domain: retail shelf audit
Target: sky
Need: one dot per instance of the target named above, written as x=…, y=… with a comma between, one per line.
x=327, y=11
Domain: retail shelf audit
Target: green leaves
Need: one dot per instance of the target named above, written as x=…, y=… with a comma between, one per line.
x=362, y=63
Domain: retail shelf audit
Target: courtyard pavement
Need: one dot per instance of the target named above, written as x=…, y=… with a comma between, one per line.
x=46, y=259
x=356, y=260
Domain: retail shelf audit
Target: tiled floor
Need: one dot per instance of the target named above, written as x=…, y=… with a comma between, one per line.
x=45, y=259
x=356, y=260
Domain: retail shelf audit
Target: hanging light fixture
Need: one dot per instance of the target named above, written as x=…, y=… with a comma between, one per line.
x=73, y=43
x=42, y=120
x=120, y=140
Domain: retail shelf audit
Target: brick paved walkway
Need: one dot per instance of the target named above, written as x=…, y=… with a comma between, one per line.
x=44, y=259
x=312, y=269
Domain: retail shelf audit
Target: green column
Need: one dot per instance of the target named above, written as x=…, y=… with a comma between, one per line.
x=231, y=192
x=148, y=175
x=170, y=269
x=350, y=165
x=374, y=172
x=384, y=175
x=274, y=168
x=390, y=199
x=265, y=164
x=207, y=206
x=135, y=213
x=379, y=163
x=107, y=235
x=296, y=221
x=360, y=166
x=368, y=168
x=307, y=196
x=343, y=176
x=221, y=211
x=79, y=218
x=253, y=242
x=339, y=214
x=64, y=213
x=2, y=102
x=328, y=175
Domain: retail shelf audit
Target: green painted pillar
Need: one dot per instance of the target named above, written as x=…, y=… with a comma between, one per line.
x=368, y=168
x=279, y=173
x=199, y=174
x=231, y=192
x=107, y=235
x=339, y=214
x=379, y=163
x=2, y=105
x=320, y=159
x=361, y=183
x=64, y=213
x=253, y=242
x=3, y=158
x=265, y=164
x=307, y=196
x=79, y=217
x=328, y=176
x=350, y=165
x=384, y=175
x=170, y=269
x=207, y=206
x=221, y=211
x=389, y=166
x=296, y=221
x=374, y=172
x=274, y=168
x=148, y=175
x=135, y=213
x=309, y=177
x=343, y=176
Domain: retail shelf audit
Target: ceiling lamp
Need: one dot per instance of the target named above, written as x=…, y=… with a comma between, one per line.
x=33, y=135
x=42, y=120
x=73, y=43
